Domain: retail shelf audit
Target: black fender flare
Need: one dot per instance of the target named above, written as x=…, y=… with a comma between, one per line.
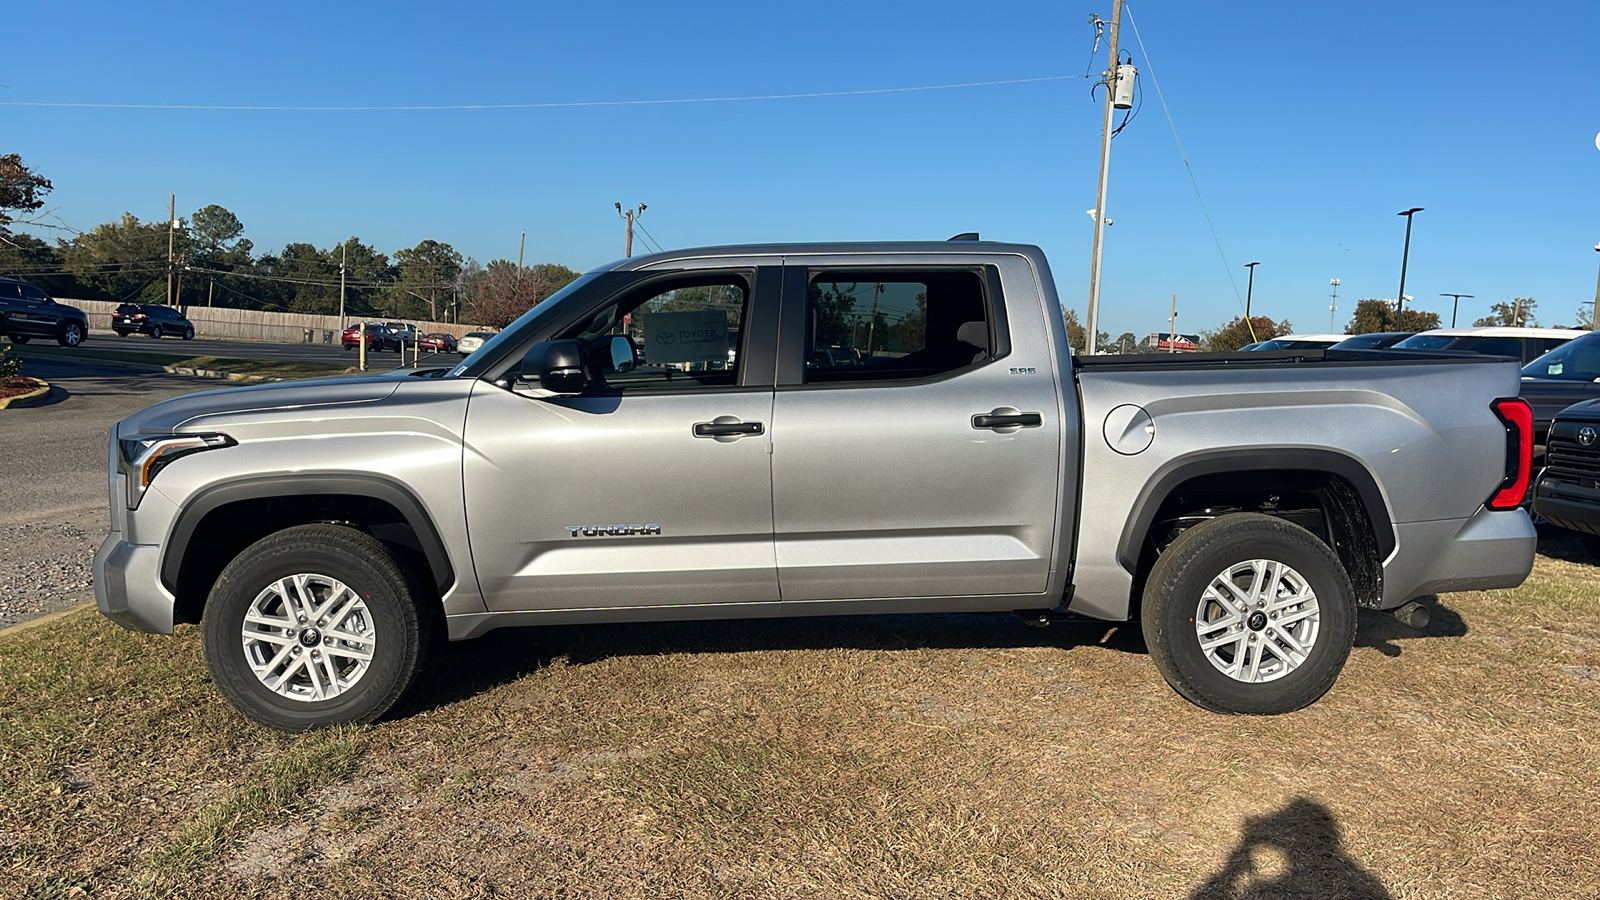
x=377, y=487
x=1256, y=459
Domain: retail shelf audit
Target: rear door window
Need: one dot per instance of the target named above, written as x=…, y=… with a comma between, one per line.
x=895, y=324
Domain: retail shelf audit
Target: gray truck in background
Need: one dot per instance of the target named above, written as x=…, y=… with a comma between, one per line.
x=814, y=429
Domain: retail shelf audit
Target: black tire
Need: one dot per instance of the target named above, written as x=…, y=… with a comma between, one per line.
x=370, y=571
x=155, y=331
x=188, y=332
x=72, y=333
x=122, y=332
x=1172, y=602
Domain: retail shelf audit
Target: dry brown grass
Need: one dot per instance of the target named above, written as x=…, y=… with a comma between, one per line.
x=944, y=756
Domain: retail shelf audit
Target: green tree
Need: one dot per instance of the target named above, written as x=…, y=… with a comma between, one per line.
x=910, y=334
x=1372, y=316
x=1518, y=312
x=425, y=279
x=833, y=307
x=123, y=260
x=1126, y=342
x=1234, y=333
x=1077, y=335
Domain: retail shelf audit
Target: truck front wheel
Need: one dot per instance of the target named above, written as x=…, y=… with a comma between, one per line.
x=1248, y=613
x=312, y=626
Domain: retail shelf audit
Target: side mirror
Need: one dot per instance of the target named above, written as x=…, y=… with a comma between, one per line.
x=617, y=353
x=556, y=365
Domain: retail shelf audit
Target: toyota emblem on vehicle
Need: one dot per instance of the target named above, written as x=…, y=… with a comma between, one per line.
x=1586, y=435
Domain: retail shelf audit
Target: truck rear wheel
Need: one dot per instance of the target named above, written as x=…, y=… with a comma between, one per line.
x=312, y=626
x=1248, y=613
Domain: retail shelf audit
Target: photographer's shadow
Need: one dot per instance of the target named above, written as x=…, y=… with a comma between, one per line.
x=1296, y=851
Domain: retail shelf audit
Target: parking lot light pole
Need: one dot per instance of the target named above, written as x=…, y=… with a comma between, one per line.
x=1405, y=257
x=1249, y=291
x=1455, y=302
x=1594, y=306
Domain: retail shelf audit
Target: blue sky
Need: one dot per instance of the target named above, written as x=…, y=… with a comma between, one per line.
x=1309, y=125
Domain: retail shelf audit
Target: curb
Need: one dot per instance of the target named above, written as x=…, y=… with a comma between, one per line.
x=46, y=619
x=213, y=373
x=28, y=399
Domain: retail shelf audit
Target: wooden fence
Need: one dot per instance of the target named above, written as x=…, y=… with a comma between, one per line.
x=256, y=325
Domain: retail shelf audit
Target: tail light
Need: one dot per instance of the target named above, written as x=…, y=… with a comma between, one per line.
x=1518, y=418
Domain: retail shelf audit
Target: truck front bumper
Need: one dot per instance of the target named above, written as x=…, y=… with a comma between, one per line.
x=1490, y=550
x=127, y=585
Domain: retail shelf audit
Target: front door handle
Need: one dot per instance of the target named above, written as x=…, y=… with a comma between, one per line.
x=1007, y=420
x=727, y=428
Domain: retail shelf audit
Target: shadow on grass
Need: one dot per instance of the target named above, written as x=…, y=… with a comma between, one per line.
x=1383, y=632
x=455, y=671
x=1296, y=851
x=1567, y=546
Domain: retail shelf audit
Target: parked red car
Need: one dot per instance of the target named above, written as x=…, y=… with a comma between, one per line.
x=375, y=332
x=438, y=342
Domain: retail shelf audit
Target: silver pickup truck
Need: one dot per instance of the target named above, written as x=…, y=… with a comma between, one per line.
x=816, y=429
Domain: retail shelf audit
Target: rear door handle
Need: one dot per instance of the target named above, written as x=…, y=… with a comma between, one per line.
x=1012, y=420
x=727, y=426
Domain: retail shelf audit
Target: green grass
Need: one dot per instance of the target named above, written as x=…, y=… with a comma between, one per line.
x=899, y=757
x=285, y=369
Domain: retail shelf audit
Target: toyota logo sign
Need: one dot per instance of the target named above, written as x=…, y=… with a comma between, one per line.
x=1586, y=435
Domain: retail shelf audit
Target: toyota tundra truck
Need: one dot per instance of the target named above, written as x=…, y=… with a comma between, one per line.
x=814, y=429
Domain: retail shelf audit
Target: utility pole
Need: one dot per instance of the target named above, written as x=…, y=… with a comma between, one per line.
x=1332, y=301
x=872, y=323
x=172, y=234
x=1172, y=327
x=211, y=291
x=1516, y=312
x=521, y=245
x=629, y=216
x=1105, y=171
x=1400, y=298
x=1456, y=302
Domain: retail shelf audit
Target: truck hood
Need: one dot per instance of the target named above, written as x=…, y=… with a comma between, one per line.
x=172, y=415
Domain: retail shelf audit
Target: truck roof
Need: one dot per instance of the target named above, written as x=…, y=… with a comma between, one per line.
x=876, y=248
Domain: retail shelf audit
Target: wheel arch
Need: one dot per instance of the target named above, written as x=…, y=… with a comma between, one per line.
x=1351, y=499
x=224, y=519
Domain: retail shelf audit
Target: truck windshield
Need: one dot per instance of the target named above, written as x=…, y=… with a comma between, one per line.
x=515, y=327
x=1426, y=342
x=1577, y=360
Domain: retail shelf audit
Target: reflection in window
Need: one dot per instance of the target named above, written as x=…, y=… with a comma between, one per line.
x=878, y=325
x=685, y=335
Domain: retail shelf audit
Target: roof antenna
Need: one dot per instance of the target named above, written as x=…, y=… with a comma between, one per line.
x=966, y=236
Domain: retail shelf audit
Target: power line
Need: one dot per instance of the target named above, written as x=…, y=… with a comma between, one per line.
x=1190, y=169
x=648, y=235
x=550, y=105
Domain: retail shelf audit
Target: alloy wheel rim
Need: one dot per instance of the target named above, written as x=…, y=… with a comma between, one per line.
x=308, y=637
x=1257, y=621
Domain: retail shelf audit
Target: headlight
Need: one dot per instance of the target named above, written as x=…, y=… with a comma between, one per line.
x=142, y=458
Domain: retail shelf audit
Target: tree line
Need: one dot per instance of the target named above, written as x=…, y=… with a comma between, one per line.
x=1369, y=316
x=212, y=263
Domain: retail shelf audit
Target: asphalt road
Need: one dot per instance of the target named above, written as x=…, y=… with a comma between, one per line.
x=54, y=479
x=331, y=353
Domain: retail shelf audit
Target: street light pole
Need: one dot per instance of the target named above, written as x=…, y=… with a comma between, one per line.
x=1594, y=311
x=1093, y=324
x=1332, y=301
x=1405, y=257
x=1249, y=291
x=1455, y=302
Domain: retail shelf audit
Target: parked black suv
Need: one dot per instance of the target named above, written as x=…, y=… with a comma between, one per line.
x=1568, y=493
x=152, y=319
x=27, y=312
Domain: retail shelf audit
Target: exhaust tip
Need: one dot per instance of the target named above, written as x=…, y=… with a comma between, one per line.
x=1413, y=614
